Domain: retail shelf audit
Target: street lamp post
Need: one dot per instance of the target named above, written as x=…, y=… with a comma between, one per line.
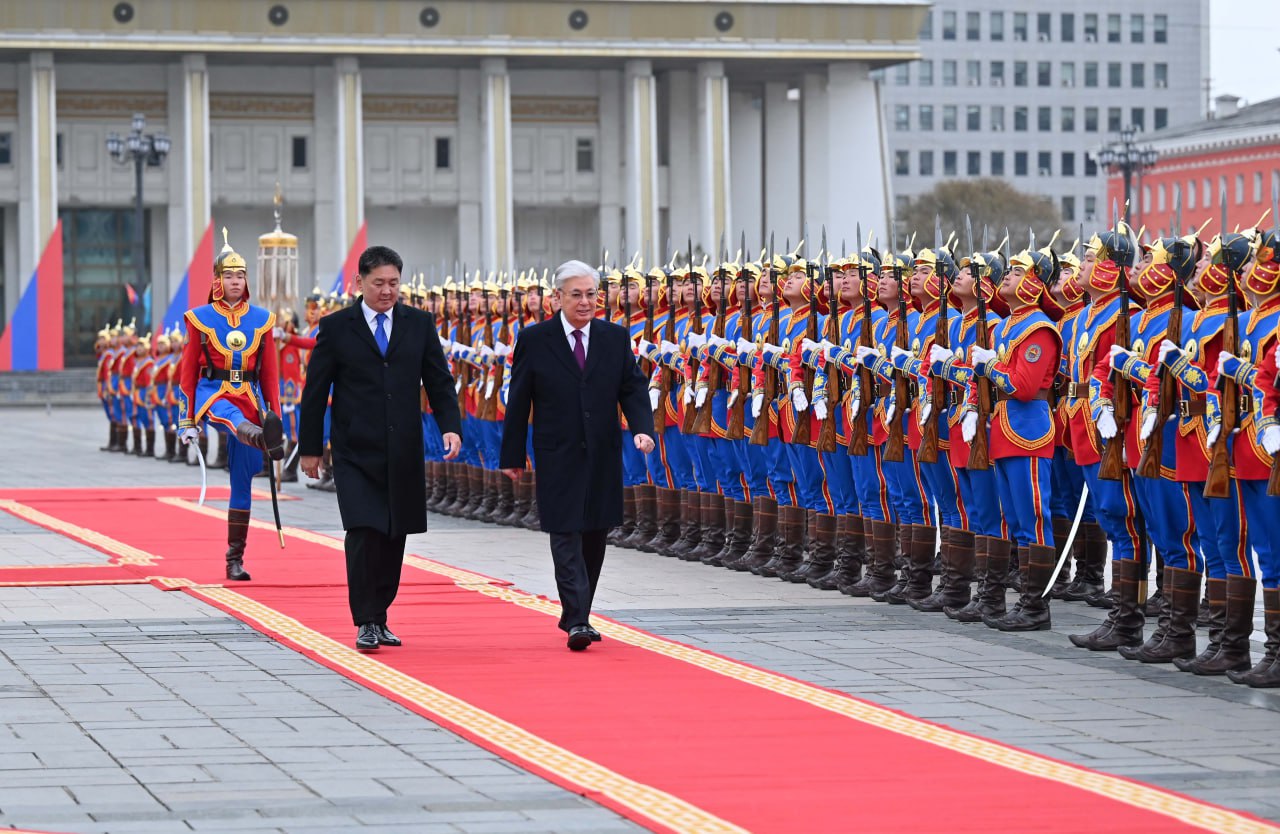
x=1126, y=157
x=142, y=149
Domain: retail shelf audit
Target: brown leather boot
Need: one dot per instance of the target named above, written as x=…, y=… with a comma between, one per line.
x=990, y=601
x=170, y=445
x=716, y=560
x=802, y=572
x=1061, y=530
x=520, y=489
x=137, y=441
x=713, y=529
x=1266, y=674
x=1233, y=650
x=533, y=519
x=690, y=524
x=237, y=534
x=505, y=490
x=958, y=559
x=150, y=435
x=878, y=577
x=738, y=542
x=980, y=545
x=628, y=526
x=919, y=583
x=1032, y=612
x=789, y=556
x=111, y=439
x=489, y=494
x=456, y=488
x=646, y=526
x=764, y=539
x=821, y=546
x=1215, y=599
x=668, y=529
x=1124, y=622
x=1175, y=636
x=850, y=552
x=1090, y=554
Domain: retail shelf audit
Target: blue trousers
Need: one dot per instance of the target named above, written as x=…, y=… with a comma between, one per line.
x=755, y=466
x=869, y=481
x=243, y=462
x=670, y=465
x=838, y=467
x=1262, y=519
x=981, y=498
x=634, y=471
x=490, y=443
x=1169, y=517
x=1213, y=542
x=432, y=440
x=1068, y=483
x=727, y=460
x=940, y=482
x=1026, y=488
x=906, y=490
x=781, y=480
x=704, y=474
x=807, y=470
x=1116, y=511
x=471, y=441
x=290, y=421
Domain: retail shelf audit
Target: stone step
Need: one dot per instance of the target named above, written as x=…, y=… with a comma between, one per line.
x=74, y=386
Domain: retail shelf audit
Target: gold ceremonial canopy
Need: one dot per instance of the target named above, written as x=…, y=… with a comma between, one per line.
x=278, y=288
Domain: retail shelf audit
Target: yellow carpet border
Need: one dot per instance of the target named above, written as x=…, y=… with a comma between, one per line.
x=125, y=554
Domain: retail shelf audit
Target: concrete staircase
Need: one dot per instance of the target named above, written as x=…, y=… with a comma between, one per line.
x=73, y=387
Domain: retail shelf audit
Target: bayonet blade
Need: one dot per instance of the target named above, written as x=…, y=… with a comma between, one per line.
x=1222, y=205
x=937, y=232
x=968, y=230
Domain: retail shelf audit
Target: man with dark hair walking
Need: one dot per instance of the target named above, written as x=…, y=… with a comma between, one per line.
x=377, y=354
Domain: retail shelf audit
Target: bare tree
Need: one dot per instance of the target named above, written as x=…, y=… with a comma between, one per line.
x=990, y=202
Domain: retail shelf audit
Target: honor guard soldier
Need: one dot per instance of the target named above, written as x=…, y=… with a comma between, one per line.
x=228, y=377
x=143, y=371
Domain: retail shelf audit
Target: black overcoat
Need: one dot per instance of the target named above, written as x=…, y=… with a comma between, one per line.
x=577, y=438
x=376, y=431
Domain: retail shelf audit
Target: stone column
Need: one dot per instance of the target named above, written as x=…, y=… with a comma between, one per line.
x=747, y=164
x=339, y=165
x=613, y=164
x=713, y=156
x=497, y=232
x=350, y=171
x=38, y=171
x=469, y=156
x=781, y=164
x=189, y=181
x=815, y=160
x=853, y=124
x=641, y=162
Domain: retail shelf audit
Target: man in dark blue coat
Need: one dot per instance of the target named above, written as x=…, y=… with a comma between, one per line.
x=574, y=371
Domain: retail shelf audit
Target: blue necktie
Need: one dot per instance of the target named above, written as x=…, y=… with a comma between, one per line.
x=380, y=335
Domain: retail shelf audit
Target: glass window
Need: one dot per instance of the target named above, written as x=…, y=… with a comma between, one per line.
x=949, y=163
x=1113, y=28
x=901, y=163
x=1160, y=75
x=1042, y=73
x=6, y=148
x=1043, y=24
x=1068, y=164
x=1068, y=123
x=1091, y=74
x=997, y=117
x=926, y=28
x=1160, y=28
x=997, y=26
x=1136, y=31
x=1146, y=199
x=997, y=73
x=1091, y=120
x=973, y=73
x=1191, y=194
x=97, y=267
x=949, y=117
x=1020, y=163
x=1019, y=73
x=1068, y=27
x=924, y=73
x=586, y=156
x=902, y=75
x=1239, y=188
x=443, y=163
x=1090, y=207
x=902, y=117
x=974, y=166
x=1137, y=75
x=973, y=25
x=298, y=152
x=1044, y=119
x=948, y=73
x=1113, y=119
x=1044, y=163
x=1114, y=74
x=926, y=117
x=973, y=118
x=1068, y=208
x=1090, y=28
x=926, y=163
x=1161, y=120
x=1161, y=195
x=1067, y=71
x=1019, y=118
x=997, y=163
x=1138, y=118
x=948, y=26
x=1257, y=188
x=1019, y=26
x=1090, y=166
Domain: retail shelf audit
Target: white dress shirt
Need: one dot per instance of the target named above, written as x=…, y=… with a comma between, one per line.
x=568, y=334
x=371, y=316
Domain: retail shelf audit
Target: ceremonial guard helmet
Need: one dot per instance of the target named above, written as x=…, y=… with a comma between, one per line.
x=227, y=259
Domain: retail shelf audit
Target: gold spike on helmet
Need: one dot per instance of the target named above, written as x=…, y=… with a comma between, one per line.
x=228, y=258
x=131, y=328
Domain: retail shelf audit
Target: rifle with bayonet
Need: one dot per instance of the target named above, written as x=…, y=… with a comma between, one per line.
x=895, y=450
x=827, y=430
x=702, y=424
x=760, y=431
x=979, y=451
x=667, y=376
x=499, y=362
x=802, y=434
x=486, y=408
x=1218, y=482
x=867, y=380
x=1112, y=466
x=1167, y=387
x=941, y=337
x=695, y=326
x=464, y=338
x=737, y=417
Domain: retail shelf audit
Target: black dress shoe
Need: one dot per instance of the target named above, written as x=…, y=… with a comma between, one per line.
x=367, y=637
x=579, y=638
x=595, y=635
x=386, y=638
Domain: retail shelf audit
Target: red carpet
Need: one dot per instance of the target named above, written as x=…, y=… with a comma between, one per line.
x=676, y=738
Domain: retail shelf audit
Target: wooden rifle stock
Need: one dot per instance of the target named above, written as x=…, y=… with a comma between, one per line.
x=464, y=336
x=760, y=431
x=827, y=431
x=938, y=390
x=867, y=381
x=668, y=335
x=1218, y=483
x=802, y=434
x=499, y=362
x=1149, y=463
x=702, y=424
x=895, y=447
x=979, y=451
x=736, y=430
x=1112, y=466
x=690, y=414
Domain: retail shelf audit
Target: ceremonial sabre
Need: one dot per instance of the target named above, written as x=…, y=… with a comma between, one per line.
x=204, y=476
x=292, y=456
x=1071, y=537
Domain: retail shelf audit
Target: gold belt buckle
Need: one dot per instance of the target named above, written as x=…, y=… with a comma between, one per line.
x=237, y=376
x=1184, y=409
x=1246, y=402
x=1072, y=389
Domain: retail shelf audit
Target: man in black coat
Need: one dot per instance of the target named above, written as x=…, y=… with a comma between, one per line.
x=574, y=371
x=377, y=354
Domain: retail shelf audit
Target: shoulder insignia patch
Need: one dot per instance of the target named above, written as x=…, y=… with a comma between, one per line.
x=1032, y=353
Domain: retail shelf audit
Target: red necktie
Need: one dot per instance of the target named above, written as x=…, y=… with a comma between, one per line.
x=579, y=352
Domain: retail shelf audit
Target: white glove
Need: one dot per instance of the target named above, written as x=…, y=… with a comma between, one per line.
x=655, y=397
x=488, y=388
x=733, y=398
x=937, y=353
x=669, y=347
x=457, y=386
x=486, y=352
x=445, y=344
x=462, y=351
x=1271, y=440
x=1148, y=426
x=646, y=347
x=832, y=352
x=717, y=341
x=695, y=340
x=809, y=346
x=1107, y=422
x=864, y=353
x=288, y=408
x=1212, y=437
x=688, y=394
x=757, y=405
x=1223, y=356
x=983, y=356
x=926, y=412
x=897, y=351
x=189, y=436
x=501, y=349
x=826, y=346
x=969, y=426
x=700, y=398
x=1166, y=347
x=279, y=334
x=820, y=409
x=799, y=400
x=890, y=410
x=745, y=348
x=1119, y=356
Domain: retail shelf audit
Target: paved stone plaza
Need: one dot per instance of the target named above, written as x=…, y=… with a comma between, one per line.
x=130, y=709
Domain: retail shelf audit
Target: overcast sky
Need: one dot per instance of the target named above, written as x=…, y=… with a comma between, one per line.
x=1243, y=42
